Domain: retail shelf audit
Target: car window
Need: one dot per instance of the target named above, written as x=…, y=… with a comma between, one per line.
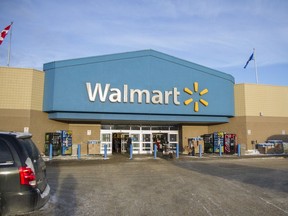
x=5, y=154
x=31, y=148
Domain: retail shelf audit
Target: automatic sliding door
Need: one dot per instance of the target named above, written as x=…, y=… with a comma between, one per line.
x=147, y=145
x=106, y=138
x=124, y=138
x=173, y=140
x=135, y=142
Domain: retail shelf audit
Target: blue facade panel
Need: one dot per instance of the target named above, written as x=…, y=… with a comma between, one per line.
x=143, y=83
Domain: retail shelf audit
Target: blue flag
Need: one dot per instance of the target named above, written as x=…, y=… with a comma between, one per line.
x=250, y=58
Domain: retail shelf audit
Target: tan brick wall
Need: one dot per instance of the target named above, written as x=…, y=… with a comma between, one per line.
x=21, y=101
x=21, y=88
x=192, y=131
x=79, y=134
x=36, y=121
x=261, y=100
x=240, y=105
x=14, y=119
x=264, y=128
x=37, y=90
x=261, y=112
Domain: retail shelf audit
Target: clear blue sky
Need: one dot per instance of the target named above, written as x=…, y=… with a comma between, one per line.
x=219, y=34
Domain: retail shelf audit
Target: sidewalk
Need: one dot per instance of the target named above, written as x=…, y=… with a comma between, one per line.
x=151, y=156
x=74, y=157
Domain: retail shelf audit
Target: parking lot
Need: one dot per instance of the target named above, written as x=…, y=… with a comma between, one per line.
x=187, y=186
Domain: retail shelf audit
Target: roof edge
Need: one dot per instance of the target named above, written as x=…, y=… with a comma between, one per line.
x=135, y=54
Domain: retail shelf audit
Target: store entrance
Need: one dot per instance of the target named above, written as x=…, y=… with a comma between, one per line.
x=119, y=142
x=143, y=138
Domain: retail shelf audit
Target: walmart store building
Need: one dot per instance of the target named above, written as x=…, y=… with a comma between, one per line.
x=143, y=95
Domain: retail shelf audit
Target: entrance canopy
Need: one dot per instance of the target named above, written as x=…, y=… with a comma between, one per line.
x=141, y=86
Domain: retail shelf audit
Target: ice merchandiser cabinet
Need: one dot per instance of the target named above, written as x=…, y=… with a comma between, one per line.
x=66, y=142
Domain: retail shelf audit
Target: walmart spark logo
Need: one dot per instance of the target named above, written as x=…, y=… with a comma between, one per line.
x=201, y=93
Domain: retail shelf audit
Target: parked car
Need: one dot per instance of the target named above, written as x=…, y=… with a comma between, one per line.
x=23, y=182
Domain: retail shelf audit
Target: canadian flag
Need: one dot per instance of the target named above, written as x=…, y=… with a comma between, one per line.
x=4, y=33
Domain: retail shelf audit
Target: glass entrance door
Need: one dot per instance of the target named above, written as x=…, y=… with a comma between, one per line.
x=147, y=144
x=106, y=138
x=135, y=136
x=124, y=138
x=173, y=140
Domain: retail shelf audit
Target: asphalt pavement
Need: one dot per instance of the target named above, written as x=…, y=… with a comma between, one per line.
x=185, y=186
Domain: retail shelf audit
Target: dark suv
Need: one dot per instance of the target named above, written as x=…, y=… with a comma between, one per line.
x=23, y=182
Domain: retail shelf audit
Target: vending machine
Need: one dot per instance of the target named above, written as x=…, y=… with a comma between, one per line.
x=54, y=139
x=208, y=143
x=218, y=139
x=230, y=143
x=66, y=142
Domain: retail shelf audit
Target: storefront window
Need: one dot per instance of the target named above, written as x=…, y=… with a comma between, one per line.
x=135, y=127
x=105, y=127
x=175, y=127
x=161, y=128
x=135, y=137
x=106, y=137
x=120, y=127
x=146, y=127
x=173, y=137
x=146, y=147
x=146, y=137
x=136, y=145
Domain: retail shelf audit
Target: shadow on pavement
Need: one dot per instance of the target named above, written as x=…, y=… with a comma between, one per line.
x=270, y=178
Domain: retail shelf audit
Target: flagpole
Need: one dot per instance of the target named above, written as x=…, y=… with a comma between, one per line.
x=9, y=47
x=255, y=66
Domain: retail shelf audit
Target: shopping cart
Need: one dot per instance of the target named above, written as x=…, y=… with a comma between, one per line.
x=168, y=151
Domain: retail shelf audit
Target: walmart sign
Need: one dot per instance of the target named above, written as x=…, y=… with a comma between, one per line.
x=127, y=95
